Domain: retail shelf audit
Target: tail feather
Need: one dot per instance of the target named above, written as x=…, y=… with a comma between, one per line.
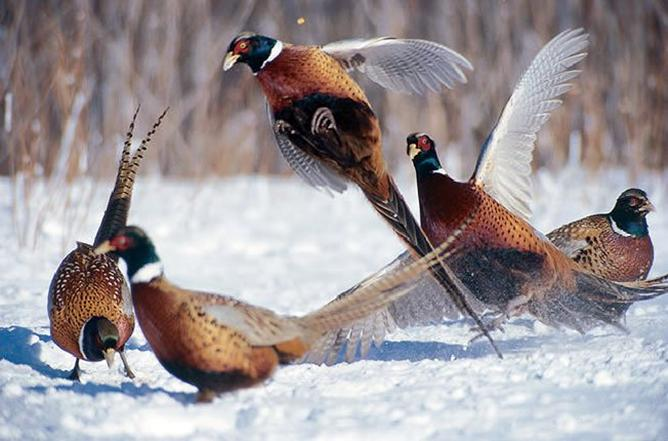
x=116, y=213
x=396, y=212
x=596, y=301
x=649, y=283
x=369, y=299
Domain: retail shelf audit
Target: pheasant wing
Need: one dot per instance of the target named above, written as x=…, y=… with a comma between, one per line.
x=504, y=165
x=404, y=65
x=306, y=166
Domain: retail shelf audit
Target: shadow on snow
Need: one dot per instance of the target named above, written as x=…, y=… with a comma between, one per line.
x=16, y=347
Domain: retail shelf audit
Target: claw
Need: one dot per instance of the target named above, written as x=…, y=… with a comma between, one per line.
x=495, y=324
x=282, y=127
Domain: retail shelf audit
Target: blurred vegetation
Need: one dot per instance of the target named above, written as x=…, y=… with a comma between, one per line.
x=72, y=72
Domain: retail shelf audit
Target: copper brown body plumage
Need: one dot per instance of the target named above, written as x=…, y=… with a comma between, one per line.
x=90, y=309
x=506, y=263
x=325, y=126
x=614, y=245
x=502, y=260
x=218, y=343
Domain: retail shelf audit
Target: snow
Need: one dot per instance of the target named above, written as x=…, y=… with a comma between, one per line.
x=276, y=243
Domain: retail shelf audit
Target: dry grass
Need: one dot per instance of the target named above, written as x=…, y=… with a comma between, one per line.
x=72, y=72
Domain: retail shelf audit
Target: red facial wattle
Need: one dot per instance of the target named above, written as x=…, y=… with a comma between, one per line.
x=121, y=243
x=424, y=144
x=241, y=47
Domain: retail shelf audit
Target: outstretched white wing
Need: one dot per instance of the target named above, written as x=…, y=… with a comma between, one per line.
x=504, y=165
x=412, y=66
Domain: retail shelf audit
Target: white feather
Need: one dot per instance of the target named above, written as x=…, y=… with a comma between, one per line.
x=617, y=229
x=504, y=166
x=147, y=273
x=275, y=52
x=413, y=66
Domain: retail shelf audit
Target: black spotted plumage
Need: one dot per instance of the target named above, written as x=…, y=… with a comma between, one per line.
x=614, y=245
x=89, y=306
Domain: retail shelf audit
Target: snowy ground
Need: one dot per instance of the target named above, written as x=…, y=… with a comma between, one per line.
x=276, y=243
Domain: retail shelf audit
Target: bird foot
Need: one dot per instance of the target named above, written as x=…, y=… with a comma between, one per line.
x=126, y=366
x=282, y=127
x=495, y=324
x=75, y=373
x=323, y=120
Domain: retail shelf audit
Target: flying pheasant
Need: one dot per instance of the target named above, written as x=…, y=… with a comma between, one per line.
x=504, y=262
x=325, y=126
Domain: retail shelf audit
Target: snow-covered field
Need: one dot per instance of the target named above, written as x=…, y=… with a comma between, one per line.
x=277, y=243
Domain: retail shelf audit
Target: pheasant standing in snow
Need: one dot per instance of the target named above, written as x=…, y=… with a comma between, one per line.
x=324, y=124
x=89, y=308
x=218, y=343
x=614, y=245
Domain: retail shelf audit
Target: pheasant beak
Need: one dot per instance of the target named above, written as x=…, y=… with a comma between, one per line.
x=230, y=60
x=647, y=207
x=109, y=355
x=104, y=248
x=412, y=150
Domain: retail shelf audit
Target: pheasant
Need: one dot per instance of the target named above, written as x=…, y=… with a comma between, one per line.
x=325, y=126
x=504, y=262
x=614, y=245
x=89, y=305
x=218, y=343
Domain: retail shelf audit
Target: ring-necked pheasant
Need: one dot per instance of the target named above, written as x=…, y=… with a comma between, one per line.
x=614, y=245
x=218, y=343
x=504, y=261
x=89, y=304
x=326, y=128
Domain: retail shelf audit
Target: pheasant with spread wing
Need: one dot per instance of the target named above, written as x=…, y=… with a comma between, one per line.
x=218, y=343
x=503, y=261
x=325, y=126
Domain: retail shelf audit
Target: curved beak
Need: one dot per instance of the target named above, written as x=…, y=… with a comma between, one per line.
x=230, y=60
x=412, y=150
x=104, y=248
x=109, y=356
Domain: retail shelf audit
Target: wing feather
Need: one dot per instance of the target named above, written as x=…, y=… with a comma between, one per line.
x=260, y=326
x=425, y=303
x=313, y=172
x=504, y=166
x=404, y=65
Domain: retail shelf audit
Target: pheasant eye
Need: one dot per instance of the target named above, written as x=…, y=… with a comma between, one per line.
x=634, y=202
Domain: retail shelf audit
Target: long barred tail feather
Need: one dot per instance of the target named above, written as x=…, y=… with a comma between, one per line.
x=396, y=212
x=596, y=301
x=370, y=298
x=116, y=213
